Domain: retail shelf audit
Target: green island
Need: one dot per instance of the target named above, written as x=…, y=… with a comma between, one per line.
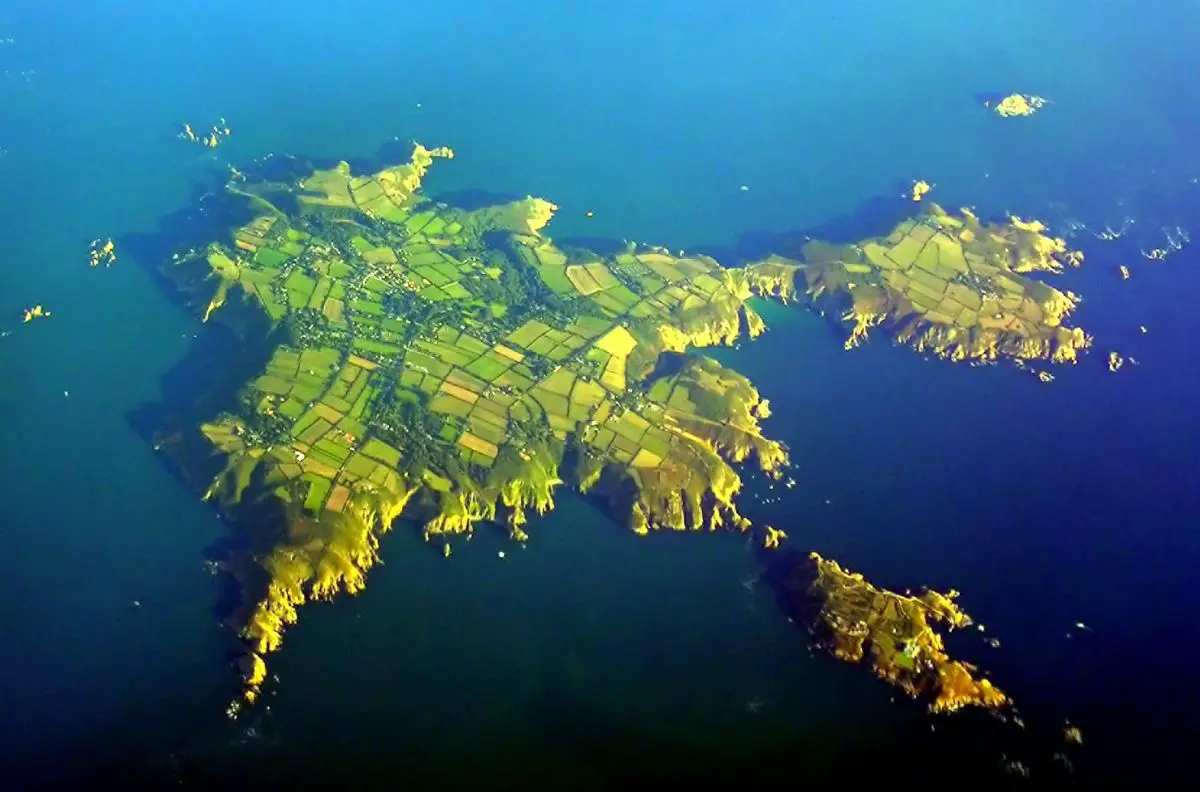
x=452, y=366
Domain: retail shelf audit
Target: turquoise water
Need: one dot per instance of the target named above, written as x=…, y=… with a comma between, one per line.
x=592, y=650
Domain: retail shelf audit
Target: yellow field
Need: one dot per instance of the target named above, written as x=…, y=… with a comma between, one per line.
x=588, y=394
x=619, y=342
x=333, y=310
x=511, y=354
x=661, y=266
x=478, y=444
x=646, y=459
x=582, y=280
x=613, y=377
x=470, y=397
x=337, y=499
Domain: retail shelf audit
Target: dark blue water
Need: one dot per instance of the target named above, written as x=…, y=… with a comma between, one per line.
x=1045, y=504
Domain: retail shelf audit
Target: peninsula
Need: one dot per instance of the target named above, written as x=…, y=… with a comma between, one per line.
x=454, y=366
x=943, y=283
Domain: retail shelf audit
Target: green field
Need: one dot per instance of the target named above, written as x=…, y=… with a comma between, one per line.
x=360, y=405
x=299, y=289
x=527, y=333
x=490, y=366
x=456, y=291
x=382, y=451
x=368, y=307
x=270, y=257
x=376, y=348
x=318, y=491
x=417, y=222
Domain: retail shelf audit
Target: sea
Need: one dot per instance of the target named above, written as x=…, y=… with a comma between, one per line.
x=1065, y=512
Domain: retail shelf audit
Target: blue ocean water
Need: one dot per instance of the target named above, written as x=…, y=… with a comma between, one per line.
x=1045, y=504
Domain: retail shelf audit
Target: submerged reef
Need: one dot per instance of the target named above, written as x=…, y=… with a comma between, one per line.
x=454, y=366
x=892, y=633
x=945, y=283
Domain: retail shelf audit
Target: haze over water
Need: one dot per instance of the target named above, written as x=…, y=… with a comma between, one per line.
x=593, y=653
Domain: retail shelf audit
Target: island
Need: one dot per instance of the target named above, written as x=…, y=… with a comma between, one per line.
x=893, y=633
x=1015, y=105
x=451, y=366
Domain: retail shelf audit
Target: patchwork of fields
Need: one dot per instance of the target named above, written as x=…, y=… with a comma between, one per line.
x=491, y=369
